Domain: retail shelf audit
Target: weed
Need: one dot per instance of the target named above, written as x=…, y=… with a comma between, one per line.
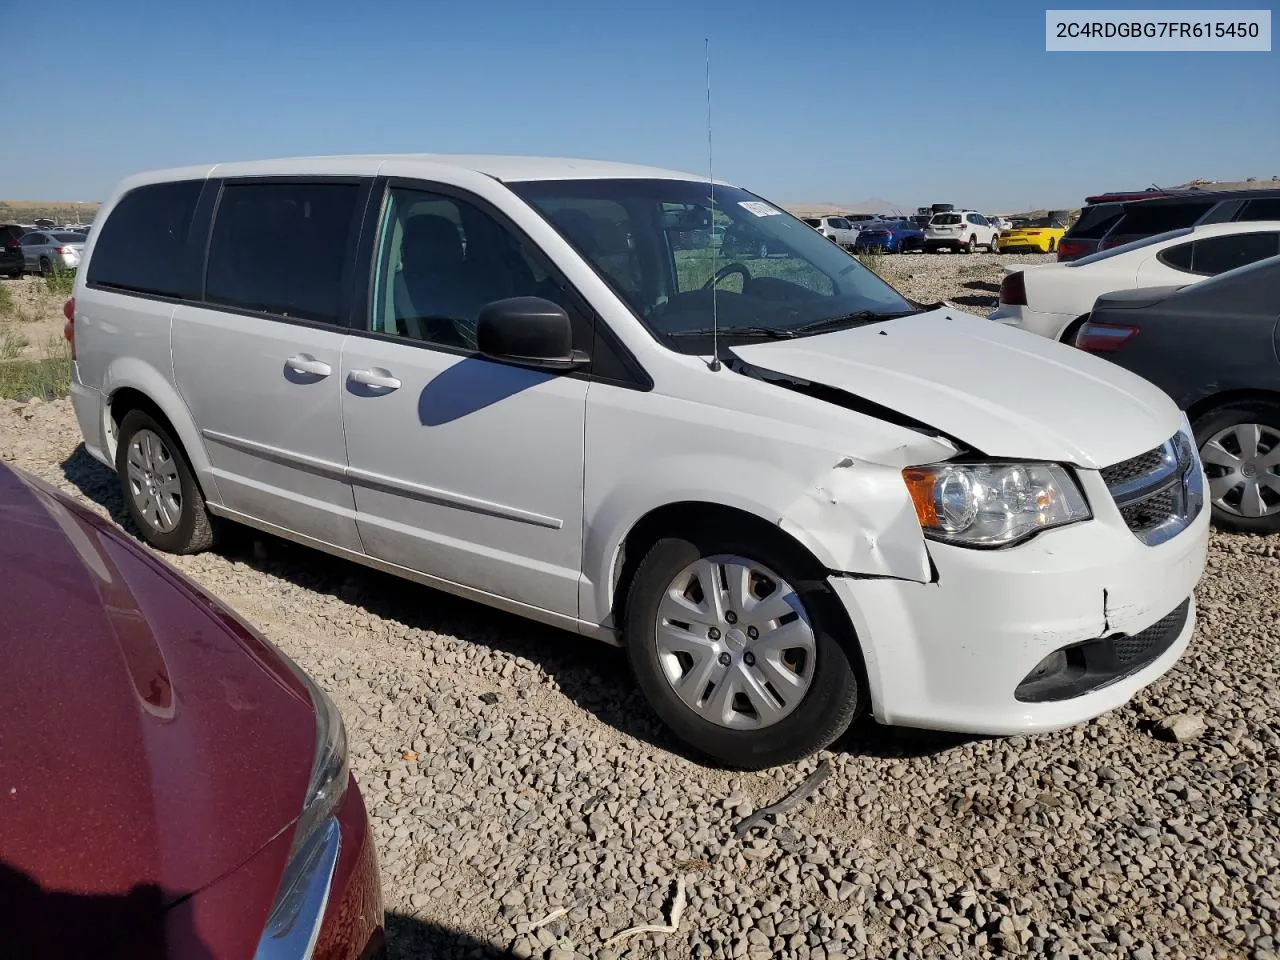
x=12, y=343
x=60, y=282
x=47, y=377
x=876, y=261
x=6, y=301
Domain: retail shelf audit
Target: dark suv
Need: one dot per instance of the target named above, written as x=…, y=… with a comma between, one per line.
x=1145, y=218
x=11, y=261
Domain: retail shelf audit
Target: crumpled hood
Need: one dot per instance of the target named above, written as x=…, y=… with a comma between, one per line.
x=148, y=744
x=1002, y=391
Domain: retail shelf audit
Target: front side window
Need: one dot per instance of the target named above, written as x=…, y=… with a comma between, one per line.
x=1151, y=217
x=441, y=258
x=840, y=224
x=142, y=246
x=771, y=274
x=282, y=248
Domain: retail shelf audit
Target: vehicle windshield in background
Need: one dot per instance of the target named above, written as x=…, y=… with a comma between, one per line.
x=1042, y=222
x=69, y=237
x=945, y=219
x=651, y=241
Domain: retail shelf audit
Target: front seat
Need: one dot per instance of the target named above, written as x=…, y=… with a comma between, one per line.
x=434, y=302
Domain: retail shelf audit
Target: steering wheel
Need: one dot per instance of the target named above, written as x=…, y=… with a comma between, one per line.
x=728, y=270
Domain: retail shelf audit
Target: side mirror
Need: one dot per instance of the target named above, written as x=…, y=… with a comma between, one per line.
x=528, y=332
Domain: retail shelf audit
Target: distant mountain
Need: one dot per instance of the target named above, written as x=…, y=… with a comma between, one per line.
x=870, y=205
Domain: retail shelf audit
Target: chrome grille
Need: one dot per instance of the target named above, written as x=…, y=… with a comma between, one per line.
x=1158, y=492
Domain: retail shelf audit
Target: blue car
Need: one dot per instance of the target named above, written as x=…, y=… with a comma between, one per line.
x=896, y=236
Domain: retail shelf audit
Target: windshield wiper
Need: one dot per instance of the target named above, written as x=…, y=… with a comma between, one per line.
x=768, y=333
x=850, y=320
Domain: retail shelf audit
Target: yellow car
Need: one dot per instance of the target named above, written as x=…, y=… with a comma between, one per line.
x=1038, y=236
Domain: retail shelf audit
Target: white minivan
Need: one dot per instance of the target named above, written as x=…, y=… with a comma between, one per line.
x=790, y=493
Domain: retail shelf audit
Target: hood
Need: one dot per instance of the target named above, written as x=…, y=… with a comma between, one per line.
x=1000, y=390
x=149, y=743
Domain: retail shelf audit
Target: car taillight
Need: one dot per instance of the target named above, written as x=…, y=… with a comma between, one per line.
x=64, y=250
x=1013, y=290
x=1104, y=337
x=1070, y=249
x=69, y=328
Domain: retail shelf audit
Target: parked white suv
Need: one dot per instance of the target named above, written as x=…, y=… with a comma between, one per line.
x=790, y=494
x=837, y=229
x=959, y=230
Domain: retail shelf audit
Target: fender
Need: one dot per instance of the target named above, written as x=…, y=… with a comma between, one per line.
x=139, y=375
x=853, y=515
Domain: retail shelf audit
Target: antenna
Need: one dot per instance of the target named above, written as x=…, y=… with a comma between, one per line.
x=714, y=365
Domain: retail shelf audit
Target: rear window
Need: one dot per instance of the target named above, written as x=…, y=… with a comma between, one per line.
x=1148, y=218
x=142, y=247
x=281, y=248
x=812, y=222
x=1095, y=221
x=946, y=219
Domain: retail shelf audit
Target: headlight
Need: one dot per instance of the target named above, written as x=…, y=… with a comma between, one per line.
x=296, y=915
x=993, y=504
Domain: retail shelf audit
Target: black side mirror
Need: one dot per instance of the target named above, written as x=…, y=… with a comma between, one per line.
x=528, y=332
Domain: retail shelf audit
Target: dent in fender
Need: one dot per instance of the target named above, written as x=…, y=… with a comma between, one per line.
x=862, y=515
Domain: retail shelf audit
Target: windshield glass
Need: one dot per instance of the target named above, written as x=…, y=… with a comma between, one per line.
x=945, y=219
x=651, y=241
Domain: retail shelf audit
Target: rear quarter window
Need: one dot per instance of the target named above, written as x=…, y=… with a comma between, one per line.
x=142, y=248
x=1094, y=222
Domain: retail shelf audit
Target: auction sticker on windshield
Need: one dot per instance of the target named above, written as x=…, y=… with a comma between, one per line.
x=758, y=208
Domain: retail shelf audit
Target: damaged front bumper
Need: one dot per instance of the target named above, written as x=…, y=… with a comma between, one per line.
x=952, y=654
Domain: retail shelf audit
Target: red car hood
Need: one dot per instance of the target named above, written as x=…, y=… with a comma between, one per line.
x=149, y=743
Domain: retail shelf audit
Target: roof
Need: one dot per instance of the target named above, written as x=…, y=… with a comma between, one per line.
x=506, y=169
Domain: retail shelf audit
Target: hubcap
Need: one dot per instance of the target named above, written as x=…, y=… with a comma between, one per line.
x=153, y=481
x=1243, y=466
x=735, y=642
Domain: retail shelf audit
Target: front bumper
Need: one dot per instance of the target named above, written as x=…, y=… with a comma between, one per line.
x=949, y=655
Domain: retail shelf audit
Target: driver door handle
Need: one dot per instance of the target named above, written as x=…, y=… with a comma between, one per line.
x=301, y=363
x=369, y=378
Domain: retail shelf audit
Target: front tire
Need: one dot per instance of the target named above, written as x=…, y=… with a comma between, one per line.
x=159, y=487
x=46, y=267
x=1240, y=448
x=755, y=669
x=972, y=245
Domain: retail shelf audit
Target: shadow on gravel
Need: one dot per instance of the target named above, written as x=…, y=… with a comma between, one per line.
x=594, y=676
x=412, y=939
x=982, y=285
x=972, y=300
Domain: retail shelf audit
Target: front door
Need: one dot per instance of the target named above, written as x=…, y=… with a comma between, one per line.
x=463, y=469
x=260, y=366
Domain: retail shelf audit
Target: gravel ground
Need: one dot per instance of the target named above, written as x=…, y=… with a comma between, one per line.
x=968, y=281
x=512, y=772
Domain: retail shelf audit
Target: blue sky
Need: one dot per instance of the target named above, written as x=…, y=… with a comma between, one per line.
x=913, y=100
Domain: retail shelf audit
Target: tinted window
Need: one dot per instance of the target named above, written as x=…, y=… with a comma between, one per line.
x=1268, y=209
x=282, y=248
x=812, y=222
x=1149, y=218
x=1178, y=257
x=142, y=245
x=1214, y=255
x=1095, y=221
x=840, y=224
x=945, y=219
x=69, y=237
x=441, y=259
x=34, y=240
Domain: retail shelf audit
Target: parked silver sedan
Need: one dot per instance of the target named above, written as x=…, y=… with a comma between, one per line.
x=45, y=251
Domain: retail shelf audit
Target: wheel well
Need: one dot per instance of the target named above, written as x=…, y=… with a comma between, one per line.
x=676, y=519
x=127, y=399
x=1205, y=404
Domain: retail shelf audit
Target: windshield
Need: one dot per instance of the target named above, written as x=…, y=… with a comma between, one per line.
x=945, y=219
x=650, y=240
x=1041, y=222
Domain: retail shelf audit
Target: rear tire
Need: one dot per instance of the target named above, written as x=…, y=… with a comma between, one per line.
x=811, y=719
x=153, y=467
x=46, y=267
x=1053, y=245
x=1215, y=452
x=992, y=247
